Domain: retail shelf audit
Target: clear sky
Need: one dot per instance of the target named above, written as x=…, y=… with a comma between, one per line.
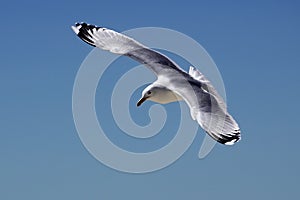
x=255, y=45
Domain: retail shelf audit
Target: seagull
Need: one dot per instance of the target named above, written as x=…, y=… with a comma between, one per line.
x=172, y=84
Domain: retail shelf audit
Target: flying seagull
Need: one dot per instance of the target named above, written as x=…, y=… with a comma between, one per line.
x=172, y=84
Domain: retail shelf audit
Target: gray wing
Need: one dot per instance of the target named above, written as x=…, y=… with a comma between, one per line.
x=206, y=107
x=207, y=86
x=118, y=43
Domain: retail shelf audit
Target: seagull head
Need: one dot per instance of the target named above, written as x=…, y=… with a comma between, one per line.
x=159, y=94
x=147, y=94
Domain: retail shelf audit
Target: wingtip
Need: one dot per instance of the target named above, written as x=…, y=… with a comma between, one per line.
x=81, y=30
x=236, y=138
x=75, y=29
x=232, y=142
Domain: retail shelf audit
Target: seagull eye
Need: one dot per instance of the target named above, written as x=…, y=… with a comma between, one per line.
x=149, y=92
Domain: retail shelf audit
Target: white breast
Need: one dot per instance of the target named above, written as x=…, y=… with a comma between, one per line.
x=164, y=96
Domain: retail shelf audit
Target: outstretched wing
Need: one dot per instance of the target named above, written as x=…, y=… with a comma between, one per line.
x=207, y=107
x=118, y=43
x=207, y=86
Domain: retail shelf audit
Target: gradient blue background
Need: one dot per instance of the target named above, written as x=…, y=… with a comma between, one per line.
x=256, y=47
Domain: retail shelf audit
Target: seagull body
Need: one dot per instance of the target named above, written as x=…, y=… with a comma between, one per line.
x=172, y=84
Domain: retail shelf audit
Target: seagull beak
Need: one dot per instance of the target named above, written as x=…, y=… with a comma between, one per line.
x=141, y=101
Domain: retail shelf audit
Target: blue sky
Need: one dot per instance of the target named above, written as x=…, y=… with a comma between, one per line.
x=256, y=47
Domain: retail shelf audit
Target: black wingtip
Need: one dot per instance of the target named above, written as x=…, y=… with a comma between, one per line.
x=227, y=139
x=81, y=29
x=231, y=138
